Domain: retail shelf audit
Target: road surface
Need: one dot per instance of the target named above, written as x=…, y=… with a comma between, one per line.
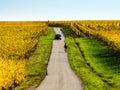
x=60, y=76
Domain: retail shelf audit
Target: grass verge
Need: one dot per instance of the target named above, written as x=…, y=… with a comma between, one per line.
x=37, y=63
x=92, y=62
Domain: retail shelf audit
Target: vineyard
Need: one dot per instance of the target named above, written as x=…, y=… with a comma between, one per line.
x=18, y=40
x=94, y=51
x=106, y=31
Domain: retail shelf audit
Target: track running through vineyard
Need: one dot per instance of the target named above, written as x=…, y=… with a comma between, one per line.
x=60, y=76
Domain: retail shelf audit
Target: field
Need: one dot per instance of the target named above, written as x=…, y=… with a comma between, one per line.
x=106, y=31
x=18, y=41
x=93, y=51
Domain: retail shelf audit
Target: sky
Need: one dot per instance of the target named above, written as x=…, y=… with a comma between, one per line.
x=38, y=10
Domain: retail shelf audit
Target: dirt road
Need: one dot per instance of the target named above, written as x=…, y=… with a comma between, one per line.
x=60, y=76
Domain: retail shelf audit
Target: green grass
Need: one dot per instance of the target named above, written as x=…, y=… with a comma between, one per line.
x=102, y=62
x=37, y=64
x=91, y=60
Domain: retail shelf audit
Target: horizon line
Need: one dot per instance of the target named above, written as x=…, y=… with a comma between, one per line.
x=62, y=20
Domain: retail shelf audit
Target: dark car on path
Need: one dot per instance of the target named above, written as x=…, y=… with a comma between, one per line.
x=57, y=37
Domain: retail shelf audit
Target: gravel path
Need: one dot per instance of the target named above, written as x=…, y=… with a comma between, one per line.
x=60, y=76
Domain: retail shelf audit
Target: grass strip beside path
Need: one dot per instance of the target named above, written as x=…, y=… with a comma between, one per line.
x=37, y=63
x=92, y=62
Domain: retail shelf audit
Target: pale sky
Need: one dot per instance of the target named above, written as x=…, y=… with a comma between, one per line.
x=30, y=10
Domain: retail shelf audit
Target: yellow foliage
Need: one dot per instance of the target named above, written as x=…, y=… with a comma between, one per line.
x=17, y=41
x=106, y=31
x=11, y=71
